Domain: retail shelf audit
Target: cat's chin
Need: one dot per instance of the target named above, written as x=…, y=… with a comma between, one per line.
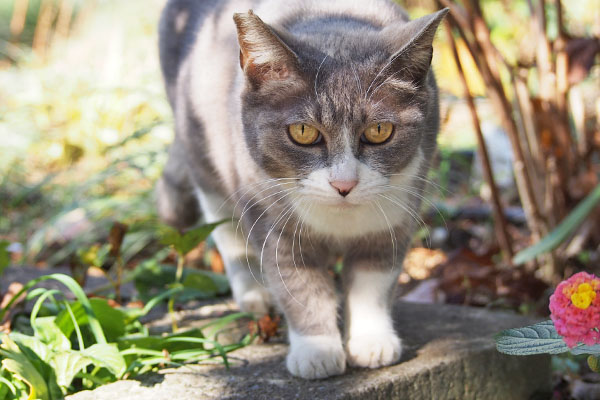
x=342, y=206
x=352, y=220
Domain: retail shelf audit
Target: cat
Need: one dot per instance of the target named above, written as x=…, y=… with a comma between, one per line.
x=314, y=130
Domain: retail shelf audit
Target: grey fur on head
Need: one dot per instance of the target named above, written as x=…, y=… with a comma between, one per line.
x=339, y=69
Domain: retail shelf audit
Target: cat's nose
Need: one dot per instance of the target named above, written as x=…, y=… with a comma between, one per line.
x=343, y=187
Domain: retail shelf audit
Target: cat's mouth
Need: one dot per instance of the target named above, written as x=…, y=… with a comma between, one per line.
x=344, y=205
x=340, y=204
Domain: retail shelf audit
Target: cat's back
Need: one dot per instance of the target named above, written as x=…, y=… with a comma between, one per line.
x=185, y=22
x=180, y=22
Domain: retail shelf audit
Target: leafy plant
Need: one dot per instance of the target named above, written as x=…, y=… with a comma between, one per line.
x=542, y=338
x=574, y=326
x=563, y=230
x=183, y=243
x=82, y=343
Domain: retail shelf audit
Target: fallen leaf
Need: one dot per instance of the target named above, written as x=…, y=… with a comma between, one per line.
x=216, y=263
x=420, y=262
x=266, y=327
x=135, y=304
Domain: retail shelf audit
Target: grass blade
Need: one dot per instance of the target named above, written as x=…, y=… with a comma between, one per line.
x=74, y=287
x=563, y=230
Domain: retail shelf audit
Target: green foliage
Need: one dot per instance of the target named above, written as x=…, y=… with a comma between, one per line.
x=540, y=338
x=93, y=256
x=27, y=367
x=113, y=321
x=184, y=242
x=563, y=230
x=594, y=363
x=152, y=279
x=84, y=343
x=4, y=256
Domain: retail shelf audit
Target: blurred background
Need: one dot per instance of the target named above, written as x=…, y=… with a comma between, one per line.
x=85, y=124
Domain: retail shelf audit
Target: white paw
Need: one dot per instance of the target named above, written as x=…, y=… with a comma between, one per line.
x=374, y=351
x=254, y=300
x=315, y=357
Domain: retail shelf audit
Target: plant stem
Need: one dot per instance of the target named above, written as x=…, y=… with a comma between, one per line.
x=179, y=273
x=499, y=220
x=171, y=305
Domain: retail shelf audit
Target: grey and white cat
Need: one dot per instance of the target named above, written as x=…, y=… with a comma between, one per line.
x=315, y=128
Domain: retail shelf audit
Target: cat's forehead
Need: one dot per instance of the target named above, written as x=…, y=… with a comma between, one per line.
x=350, y=93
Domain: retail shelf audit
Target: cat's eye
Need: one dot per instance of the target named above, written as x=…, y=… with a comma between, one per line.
x=304, y=134
x=377, y=133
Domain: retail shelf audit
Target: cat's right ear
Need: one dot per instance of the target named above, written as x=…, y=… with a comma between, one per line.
x=264, y=56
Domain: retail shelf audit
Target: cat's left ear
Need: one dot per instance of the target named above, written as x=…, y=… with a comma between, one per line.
x=415, y=39
x=264, y=56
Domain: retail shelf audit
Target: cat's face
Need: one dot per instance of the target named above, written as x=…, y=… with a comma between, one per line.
x=351, y=121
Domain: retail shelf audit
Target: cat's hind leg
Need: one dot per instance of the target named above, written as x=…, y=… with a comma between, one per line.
x=175, y=196
x=240, y=261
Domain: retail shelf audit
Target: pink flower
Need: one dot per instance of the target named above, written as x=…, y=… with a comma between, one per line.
x=575, y=309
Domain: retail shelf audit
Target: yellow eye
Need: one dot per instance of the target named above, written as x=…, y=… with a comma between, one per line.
x=378, y=133
x=304, y=134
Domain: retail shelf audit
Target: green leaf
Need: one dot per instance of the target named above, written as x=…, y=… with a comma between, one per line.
x=583, y=349
x=7, y=385
x=24, y=369
x=152, y=279
x=201, y=283
x=111, y=320
x=50, y=334
x=66, y=365
x=594, y=363
x=74, y=287
x=219, y=280
x=107, y=356
x=95, y=255
x=563, y=230
x=158, y=343
x=535, y=339
x=540, y=338
x=185, y=242
x=42, y=350
x=4, y=256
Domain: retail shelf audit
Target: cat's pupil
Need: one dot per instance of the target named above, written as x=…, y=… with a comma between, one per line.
x=302, y=129
x=378, y=128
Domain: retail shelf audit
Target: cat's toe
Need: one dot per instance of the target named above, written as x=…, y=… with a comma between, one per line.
x=254, y=300
x=374, y=351
x=316, y=357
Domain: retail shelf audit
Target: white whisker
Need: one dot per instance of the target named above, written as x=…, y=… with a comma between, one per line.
x=254, y=224
x=300, y=235
x=281, y=215
x=294, y=242
x=392, y=234
x=244, y=211
x=409, y=190
x=414, y=215
x=317, y=75
x=277, y=258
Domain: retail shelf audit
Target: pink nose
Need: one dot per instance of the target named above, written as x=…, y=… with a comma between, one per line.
x=343, y=187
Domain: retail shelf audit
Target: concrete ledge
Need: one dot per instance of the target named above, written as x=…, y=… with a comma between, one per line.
x=449, y=353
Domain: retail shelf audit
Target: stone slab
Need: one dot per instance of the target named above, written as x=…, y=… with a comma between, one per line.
x=449, y=353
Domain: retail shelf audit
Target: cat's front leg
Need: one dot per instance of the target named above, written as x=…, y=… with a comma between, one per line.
x=371, y=340
x=307, y=297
